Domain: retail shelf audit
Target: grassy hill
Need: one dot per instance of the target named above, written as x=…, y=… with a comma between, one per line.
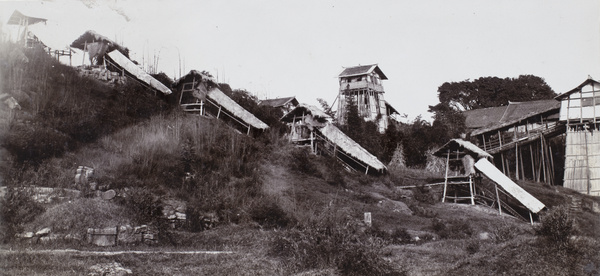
x=278, y=208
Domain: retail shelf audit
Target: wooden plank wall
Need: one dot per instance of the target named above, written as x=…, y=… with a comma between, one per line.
x=582, y=161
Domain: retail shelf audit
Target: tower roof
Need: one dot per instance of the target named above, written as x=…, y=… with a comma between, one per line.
x=362, y=70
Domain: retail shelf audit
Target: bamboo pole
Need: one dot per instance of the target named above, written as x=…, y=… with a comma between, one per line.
x=446, y=178
x=532, y=163
x=517, y=161
x=498, y=199
x=471, y=190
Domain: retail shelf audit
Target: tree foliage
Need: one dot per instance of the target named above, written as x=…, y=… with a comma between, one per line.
x=493, y=91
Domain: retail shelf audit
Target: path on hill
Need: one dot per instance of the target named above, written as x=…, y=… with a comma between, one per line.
x=109, y=253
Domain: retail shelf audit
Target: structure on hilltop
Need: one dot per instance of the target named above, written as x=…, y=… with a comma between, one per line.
x=285, y=104
x=580, y=111
x=199, y=93
x=362, y=85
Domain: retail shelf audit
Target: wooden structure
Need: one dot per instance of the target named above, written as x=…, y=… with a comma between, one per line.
x=464, y=162
x=97, y=46
x=24, y=21
x=518, y=136
x=580, y=111
x=120, y=63
x=460, y=158
x=363, y=84
x=311, y=126
x=199, y=94
x=285, y=104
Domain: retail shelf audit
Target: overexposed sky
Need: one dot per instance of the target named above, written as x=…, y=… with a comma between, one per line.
x=279, y=48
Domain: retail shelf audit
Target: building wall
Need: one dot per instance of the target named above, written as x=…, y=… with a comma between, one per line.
x=582, y=105
x=582, y=160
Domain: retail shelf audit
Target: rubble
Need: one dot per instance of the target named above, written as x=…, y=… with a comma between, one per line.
x=109, y=269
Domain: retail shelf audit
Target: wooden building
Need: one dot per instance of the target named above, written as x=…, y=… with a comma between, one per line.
x=517, y=135
x=311, y=126
x=580, y=111
x=200, y=94
x=363, y=84
x=97, y=45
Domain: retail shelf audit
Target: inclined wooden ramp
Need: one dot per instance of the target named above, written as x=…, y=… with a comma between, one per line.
x=126, y=64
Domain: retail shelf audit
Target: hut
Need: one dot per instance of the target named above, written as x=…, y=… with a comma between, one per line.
x=465, y=161
x=199, y=93
x=580, y=112
x=311, y=126
x=24, y=21
x=284, y=104
x=97, y=45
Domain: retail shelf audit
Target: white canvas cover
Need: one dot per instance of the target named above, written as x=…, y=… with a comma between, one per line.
x=139, y=74
x=529, y=201
x=350, y=147
x=234, y=108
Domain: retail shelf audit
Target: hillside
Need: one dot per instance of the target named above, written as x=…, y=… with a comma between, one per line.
x=279, y=209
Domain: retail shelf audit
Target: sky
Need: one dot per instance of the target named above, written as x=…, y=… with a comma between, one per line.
x=281, y=48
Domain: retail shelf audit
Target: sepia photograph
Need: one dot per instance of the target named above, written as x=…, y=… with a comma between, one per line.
x=305, y=138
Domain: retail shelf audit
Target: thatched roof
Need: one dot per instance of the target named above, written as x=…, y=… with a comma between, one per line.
x=279, y=102
x=91, y=37
x=362, y=70
x=492, y=118
x=350, y=147
x=17, y=18
x=463, y=147
x=126, y=64
x=304, y=109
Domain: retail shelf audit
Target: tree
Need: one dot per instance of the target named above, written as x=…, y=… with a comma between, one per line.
x=325, y=106
x=493, y=91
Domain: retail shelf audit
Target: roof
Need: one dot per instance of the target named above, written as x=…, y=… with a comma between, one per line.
x=215, y=94
x=463, y=147
x=279, y=102
x=91, y=36
x=138, y=73
x=529, y=201
x=301, y=109
x=194, y=74
x=350, y=147
x=391, y=108
x=362, y=70
x=17, y=17
x=486, y=119
x=236, y=109
x=577, y=89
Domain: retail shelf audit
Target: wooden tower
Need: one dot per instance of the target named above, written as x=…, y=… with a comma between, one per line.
x=363, y=84
x=580, y=110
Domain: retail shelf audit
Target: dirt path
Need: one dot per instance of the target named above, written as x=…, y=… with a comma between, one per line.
x=110, y=253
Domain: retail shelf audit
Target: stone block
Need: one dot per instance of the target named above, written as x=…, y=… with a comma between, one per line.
x=43, y=232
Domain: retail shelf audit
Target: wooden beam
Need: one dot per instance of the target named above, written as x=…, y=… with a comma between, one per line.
x=446, y=178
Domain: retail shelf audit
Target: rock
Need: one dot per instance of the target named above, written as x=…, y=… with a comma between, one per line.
x=25, y=235
x=127, y=234
x=109, y=269
x=43, y=232
x=108, y=195
x=180, y=215
x=484, y=236
x=102, y=236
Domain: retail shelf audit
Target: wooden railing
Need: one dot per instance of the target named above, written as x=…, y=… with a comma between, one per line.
x=361, y=85
x=508, y=140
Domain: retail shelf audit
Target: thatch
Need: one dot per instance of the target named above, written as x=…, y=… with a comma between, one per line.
x=279, y=102
x=350, y=147
x=398, y=160
x=305, y=109
x=91, y=37
x=463, y=147
x=126, y=64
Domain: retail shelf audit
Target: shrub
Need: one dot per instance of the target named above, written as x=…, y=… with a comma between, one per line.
x=453, y=229
x=16, y=209
x=400, y=236
x=472, y=247
x=557, y=226
x=504, y=232
x=270, y=215
x=301, y=161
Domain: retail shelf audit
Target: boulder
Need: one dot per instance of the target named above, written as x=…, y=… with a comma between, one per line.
x=43, y=232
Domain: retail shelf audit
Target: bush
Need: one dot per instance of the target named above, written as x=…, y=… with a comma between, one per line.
x=269, y=215
x=472, y=247
x=453, y=229
x=16, y=209
x=557, y=226
x=400, y=236
x=331, y=241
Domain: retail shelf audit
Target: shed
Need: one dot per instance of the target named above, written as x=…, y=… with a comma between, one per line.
x=285, y=104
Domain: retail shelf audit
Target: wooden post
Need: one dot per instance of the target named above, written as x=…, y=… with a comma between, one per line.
x=517, y=160
x=219, y=113
x=471, y=190
x=532, y=163
x=530, y=218
x=446, y=178
x=498, y=199
x=502, y=160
